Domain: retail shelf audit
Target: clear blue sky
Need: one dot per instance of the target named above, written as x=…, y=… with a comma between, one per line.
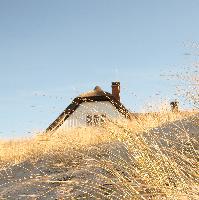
x=52, y=50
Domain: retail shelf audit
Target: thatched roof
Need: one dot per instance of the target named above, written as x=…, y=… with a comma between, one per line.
x=96, y=92
x=95, y=95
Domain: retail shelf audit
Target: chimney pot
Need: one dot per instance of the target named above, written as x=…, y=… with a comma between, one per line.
x=116, y=90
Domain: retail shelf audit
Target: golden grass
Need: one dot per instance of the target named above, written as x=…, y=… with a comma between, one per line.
x=142, y=171
x=15, y=151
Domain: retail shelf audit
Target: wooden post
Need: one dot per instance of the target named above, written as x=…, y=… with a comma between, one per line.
x=174, y=106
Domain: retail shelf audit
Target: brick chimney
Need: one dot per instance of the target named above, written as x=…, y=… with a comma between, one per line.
x=116, y=90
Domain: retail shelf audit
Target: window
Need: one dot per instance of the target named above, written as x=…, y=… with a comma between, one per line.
x=89, y=120
x=96, y=119
x=103, y=118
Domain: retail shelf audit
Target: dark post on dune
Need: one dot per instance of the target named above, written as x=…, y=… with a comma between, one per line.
x=174, y=106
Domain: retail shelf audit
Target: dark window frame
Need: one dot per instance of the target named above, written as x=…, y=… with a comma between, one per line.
x=95, y=119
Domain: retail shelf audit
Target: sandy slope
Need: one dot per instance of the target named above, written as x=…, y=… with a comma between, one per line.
x=48, y=180
x=89, y=178
x=181, y=135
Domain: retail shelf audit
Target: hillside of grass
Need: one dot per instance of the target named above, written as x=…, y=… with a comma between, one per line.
x=153, y=156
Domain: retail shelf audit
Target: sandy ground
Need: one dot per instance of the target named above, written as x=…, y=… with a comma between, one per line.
x=47, y=179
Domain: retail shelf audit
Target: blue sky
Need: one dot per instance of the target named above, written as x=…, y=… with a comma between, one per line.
x=52, y=50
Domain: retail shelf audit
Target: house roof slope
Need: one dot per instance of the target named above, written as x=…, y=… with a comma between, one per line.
x=96, y=92
x=92, y=96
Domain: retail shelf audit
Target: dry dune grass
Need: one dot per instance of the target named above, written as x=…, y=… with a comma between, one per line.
x=134, y=160
x=15, y=151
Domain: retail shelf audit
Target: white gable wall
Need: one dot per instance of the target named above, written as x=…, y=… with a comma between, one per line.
x=78, y=117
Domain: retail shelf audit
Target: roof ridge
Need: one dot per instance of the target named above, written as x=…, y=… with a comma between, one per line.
x=97, y=91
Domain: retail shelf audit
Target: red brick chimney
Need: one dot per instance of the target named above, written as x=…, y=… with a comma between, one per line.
x=116, y=90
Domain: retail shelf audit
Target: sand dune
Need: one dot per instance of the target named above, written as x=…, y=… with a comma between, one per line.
x=119, y=169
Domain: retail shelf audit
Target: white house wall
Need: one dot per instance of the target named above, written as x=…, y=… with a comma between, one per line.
x=78, y=117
